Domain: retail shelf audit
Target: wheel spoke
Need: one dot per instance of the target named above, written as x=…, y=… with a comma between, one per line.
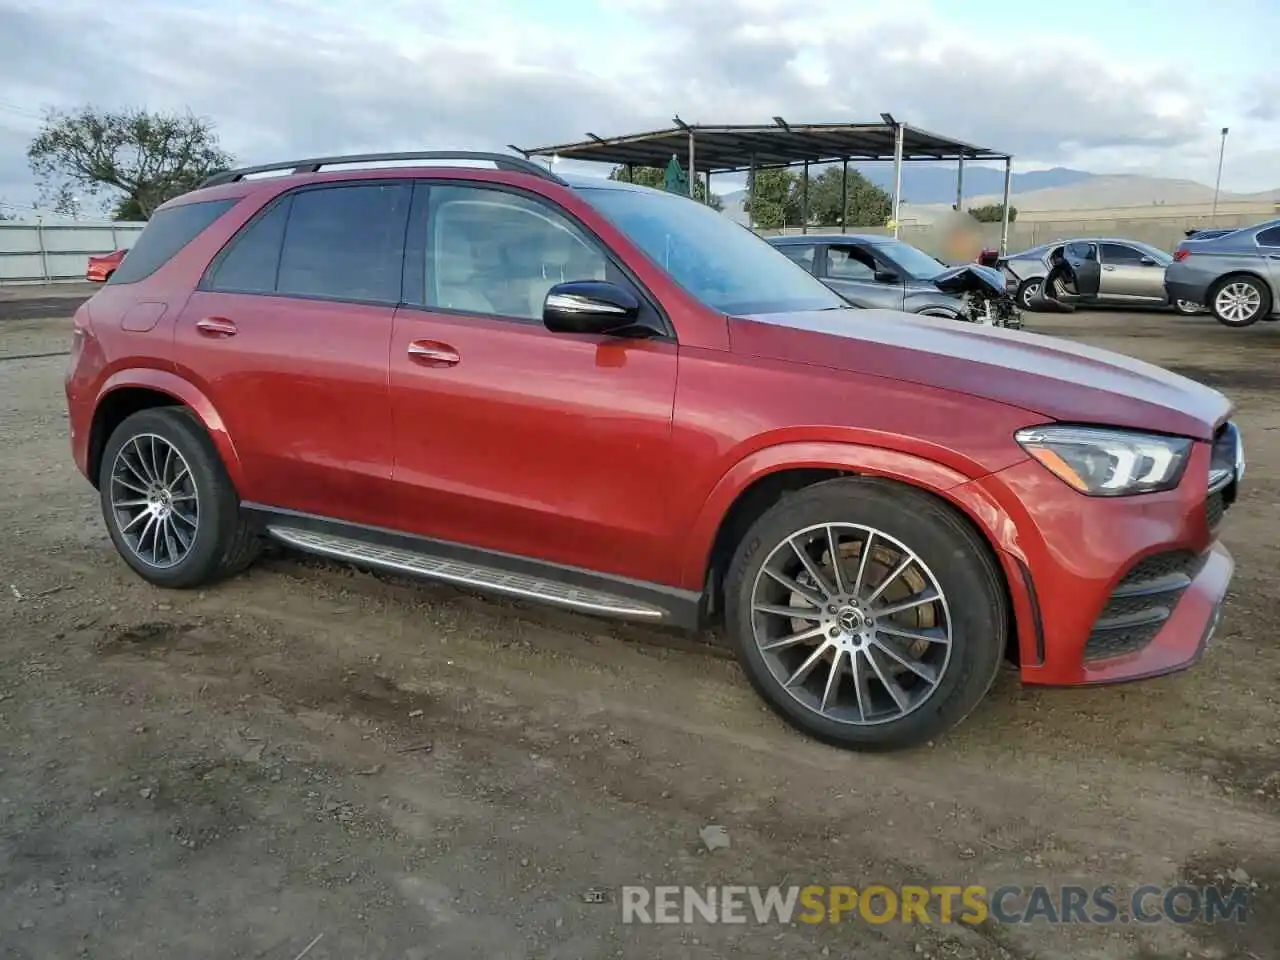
x=897, y=571
x=811, y=567
x=140, y=516
x=861, y=692
x=833, y=545
x=863, y=556
x=799, y=589
x=129, y=486
x=792, y=640
x=132, y=503
x=806, y=668
x=164, y=468
x=189, y=521
x=137, y=469
x=928, y=596
x=890, y=685
x=928, y=636
x=796, y=613
x=922, y=670
x=832, y=688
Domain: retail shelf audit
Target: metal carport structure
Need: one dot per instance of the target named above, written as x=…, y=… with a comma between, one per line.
x=747, y=148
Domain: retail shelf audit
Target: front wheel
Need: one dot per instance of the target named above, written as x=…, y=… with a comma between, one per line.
x=866, y=614
x=1187, y=308
x=1240, y=301
x=1028, y=295
x=169, y=506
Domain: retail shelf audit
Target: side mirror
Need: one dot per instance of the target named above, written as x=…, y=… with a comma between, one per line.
x=1147, y=262
x=886, y=276
x=589, y=306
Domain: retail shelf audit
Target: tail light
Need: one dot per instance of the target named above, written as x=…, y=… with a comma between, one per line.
x=1180, y=254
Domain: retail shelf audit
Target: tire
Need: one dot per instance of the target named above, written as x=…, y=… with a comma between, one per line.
x=206, y=539
x=1028, y=295
x=949, y=553
x=1246, y=287
x=1187, y=309
x=940, y=312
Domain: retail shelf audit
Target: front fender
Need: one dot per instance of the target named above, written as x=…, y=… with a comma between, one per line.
x=186, y=393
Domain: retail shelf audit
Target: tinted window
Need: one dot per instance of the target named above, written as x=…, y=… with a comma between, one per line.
x=716, y=260
x=1082, y=251
x=850, y=263
x=167, y=232
x=249, y=264
x=1269, y=237
x=345, y=242
x=801, y=253
x=1119, y=253
x=494, y=252
x=915, y=263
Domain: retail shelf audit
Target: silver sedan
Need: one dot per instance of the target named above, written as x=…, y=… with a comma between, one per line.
x=1132, y=274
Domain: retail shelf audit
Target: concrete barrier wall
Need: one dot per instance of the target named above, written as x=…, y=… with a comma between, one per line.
x=1162, y=232
x=52, y=253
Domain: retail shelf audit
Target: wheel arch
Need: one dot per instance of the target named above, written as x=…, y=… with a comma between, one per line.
x=129, y=391
x=1246, y=274
x=758, y=482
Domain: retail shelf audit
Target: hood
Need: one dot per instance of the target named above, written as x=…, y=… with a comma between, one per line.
x=971, y=278
x=1055, y=378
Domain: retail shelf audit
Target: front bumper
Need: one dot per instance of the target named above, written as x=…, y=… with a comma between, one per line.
x=1177, y=290
x=1111, y=590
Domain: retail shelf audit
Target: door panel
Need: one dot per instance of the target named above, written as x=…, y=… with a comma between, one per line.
x=296, y=367
x=851, y=271
x=302, y=388
x=1125, y=277
x=1269, y=246
x=1083, y=259
x=552, y=446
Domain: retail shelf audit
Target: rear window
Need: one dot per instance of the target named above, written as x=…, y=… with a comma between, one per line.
x=167, y=232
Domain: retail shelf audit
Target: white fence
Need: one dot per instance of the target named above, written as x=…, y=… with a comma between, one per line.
x=54, y=252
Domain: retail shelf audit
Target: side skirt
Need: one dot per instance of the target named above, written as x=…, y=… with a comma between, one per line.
x=486, y=570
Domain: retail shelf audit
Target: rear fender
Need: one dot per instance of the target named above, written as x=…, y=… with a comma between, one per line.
x=186, y=393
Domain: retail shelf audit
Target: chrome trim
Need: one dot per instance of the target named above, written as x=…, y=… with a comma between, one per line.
x=573, y=303
x=464, y=574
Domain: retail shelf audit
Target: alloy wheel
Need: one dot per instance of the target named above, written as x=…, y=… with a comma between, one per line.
x=154, y=501
x=1029, y=294
x=851, y=623
x=1238, y=302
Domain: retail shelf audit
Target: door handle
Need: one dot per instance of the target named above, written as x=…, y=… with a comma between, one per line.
x=1108, y=269
x=216, y=327
x=432, y=353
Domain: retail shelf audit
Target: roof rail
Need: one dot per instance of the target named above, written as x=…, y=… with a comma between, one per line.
x=501, y=161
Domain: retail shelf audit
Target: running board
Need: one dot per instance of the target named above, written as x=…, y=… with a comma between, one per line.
x=416, y=563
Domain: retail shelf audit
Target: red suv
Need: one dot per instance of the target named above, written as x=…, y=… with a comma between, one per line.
x=616, y=400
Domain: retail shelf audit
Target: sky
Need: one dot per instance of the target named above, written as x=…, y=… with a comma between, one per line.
x=1128, y=87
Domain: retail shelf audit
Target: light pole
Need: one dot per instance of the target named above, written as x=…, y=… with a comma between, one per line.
x=1217, y=184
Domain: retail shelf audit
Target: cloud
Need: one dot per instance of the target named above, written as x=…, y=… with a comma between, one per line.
x=285, y=78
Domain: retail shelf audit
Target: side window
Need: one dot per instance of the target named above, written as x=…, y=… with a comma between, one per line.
x=850, y=263
x=1121, y=255
x=1269, y=237
x=345, y=242
x=164, y=235
x=1082, y=251
x=801, y=253
x=494, y=252
x=250, y=262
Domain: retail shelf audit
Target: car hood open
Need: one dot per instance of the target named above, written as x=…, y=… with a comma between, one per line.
x=1056, y=378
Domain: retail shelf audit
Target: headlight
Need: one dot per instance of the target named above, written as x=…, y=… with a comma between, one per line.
x=1108, y=463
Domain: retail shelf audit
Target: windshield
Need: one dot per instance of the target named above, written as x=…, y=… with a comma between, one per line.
x=917, y=264
x=1159, y=256
x=716, y=260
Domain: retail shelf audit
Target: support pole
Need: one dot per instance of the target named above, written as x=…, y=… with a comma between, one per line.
x=751, y=192
x=631, y=173
x=844, y=195
x=1217, y=183
x=898, y=137
x=1004, y=211
x=960, y=185
x=693, y=177
x=707, y=198
x=804, y=199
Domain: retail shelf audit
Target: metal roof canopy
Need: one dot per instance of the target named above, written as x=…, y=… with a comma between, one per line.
x=745, y=147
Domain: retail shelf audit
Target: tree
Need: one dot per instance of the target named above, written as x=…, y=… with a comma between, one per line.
x=773, y=201
x=868, y=205
x=656, y=177
x=992, y=213
x=144, y=158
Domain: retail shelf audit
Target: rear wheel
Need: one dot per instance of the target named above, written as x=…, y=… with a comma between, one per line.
x=866, y=614
x=1239, y=301
x=1029, y=293
x=169, y=505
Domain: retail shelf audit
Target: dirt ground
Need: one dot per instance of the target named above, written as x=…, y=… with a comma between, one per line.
x=404, y=770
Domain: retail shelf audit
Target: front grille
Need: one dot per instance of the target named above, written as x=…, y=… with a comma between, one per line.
x=1143, y=601
x=1215, y=508
x=1223, y=462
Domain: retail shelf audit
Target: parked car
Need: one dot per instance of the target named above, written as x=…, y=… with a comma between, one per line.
x=1236, y=275
x=885, y=273
x=1132, y=274
x=1208, y=233
x=615, y=400
x=102, y=266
